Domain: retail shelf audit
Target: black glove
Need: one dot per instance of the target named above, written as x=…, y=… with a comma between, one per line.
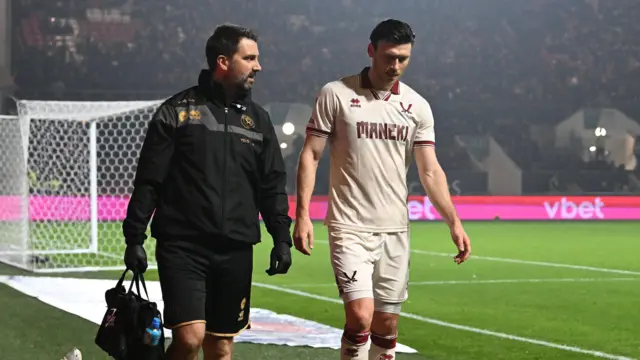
x=135, y=258
x=280, y=259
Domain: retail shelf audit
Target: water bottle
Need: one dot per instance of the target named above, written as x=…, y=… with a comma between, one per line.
x=153, y=333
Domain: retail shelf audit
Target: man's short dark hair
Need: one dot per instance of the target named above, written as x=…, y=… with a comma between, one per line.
x=392, y=31
x=225, y=40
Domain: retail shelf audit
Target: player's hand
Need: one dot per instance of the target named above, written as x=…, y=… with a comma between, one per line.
x=280, y=259
x=135, y=258
x=303, y=235
x=462, y=242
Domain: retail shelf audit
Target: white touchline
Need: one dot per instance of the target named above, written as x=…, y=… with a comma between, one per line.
x=516, y=281
x=518, y=261
x=496, y=281
x=598, y=354
x=540, y=263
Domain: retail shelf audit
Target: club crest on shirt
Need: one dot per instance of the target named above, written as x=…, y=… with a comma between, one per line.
x=406, y=109
x=247, y=122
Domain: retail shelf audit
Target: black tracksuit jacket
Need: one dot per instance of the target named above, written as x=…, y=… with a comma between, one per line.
x=207, y=167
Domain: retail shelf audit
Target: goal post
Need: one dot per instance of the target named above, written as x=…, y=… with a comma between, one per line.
x=68, y=171
x=14, y=226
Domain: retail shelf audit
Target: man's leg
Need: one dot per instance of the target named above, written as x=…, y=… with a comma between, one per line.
x=358, y=317
x=228, y=299
x=182, y=270
x=390, y=279
x=353, y=255
x=186, y=341
x=217, y=347
x=384, y=331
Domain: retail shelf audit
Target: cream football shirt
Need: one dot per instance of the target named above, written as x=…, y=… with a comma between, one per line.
x=371, y=135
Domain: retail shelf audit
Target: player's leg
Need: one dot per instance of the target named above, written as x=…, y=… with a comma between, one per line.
x=390, y=281
x=352, y=257
x=182, y=271
x=228, y=299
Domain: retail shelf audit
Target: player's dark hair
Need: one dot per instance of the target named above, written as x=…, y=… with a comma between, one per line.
x=392, y=31
x=225, y=40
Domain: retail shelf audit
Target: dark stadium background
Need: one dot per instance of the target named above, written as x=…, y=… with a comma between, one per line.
x=502, y=76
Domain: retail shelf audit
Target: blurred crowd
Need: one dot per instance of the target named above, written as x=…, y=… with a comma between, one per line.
x=487, y=67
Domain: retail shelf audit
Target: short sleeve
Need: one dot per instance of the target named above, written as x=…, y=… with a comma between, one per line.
x=425, y=134
x=324, y=113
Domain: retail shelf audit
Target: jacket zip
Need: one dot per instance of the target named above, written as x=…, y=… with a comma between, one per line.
x=224, y=171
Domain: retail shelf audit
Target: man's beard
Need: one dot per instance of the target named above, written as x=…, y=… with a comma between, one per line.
x=249, y=84
x=241, y=83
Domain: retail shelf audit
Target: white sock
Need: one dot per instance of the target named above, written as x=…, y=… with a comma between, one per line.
x=382, y=347
x=354, y=346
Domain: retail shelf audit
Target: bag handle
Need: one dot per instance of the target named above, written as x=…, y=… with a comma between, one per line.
x=139, y=278
x=121, y=280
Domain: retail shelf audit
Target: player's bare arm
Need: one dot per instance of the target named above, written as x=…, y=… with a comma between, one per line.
x=318, y=131
x=305, y=182
x=434, y=181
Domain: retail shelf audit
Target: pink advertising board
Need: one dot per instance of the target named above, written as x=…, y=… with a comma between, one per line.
x=111, y=208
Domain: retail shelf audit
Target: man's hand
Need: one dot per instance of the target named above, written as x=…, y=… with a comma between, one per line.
x=303, y=235
x=462, y=242
x=280, y=259
x=135, y=258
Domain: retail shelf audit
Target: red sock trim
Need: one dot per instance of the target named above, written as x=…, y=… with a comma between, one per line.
x=357, y=339
x=384, y=342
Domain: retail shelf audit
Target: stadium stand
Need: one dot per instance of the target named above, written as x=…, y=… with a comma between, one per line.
x=510, y=76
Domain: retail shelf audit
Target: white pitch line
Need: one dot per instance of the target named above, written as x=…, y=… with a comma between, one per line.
x=496, y=281
x=526, y=262
x=539, y=263
x=516, y=281
x=595, y=353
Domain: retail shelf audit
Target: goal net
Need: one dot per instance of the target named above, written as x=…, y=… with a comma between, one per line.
x=67, y=173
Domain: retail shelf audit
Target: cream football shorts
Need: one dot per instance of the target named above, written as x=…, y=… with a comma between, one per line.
x=370, y=265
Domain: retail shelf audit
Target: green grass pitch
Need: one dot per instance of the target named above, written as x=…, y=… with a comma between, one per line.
x=532, y=290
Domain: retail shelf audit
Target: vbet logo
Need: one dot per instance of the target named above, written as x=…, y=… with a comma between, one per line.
x=421, y=210
x=567, y=209
x=559, y=208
